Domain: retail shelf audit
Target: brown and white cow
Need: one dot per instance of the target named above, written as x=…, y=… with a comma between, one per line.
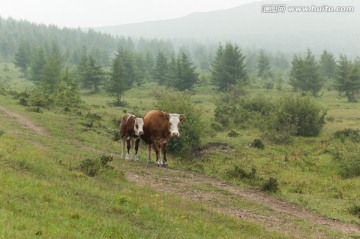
x=159, y=127
x=131, y=128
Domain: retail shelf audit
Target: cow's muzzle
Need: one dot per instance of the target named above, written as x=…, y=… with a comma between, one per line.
x=175, y=134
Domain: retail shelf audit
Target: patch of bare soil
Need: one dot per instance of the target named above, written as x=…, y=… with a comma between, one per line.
x=280, y=215
x=214, y=146
x=25, y=122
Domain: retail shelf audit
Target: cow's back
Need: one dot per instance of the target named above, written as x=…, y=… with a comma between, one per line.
x=156, y=126
x=127, y=126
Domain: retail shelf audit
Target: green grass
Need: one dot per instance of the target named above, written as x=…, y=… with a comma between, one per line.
x=43, y=193
x=306, y=169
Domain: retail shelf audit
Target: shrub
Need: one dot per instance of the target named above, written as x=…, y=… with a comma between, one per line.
x=233, y=133
x=298, y=115
x=352, y=134
x=240, y=173
x=39, y=98
x=2, y=132
x=257, y=143
x=271, y=185
x=92, y=167
x=90, y=119
x=278, y=137
x=191, y=129
x=217, y=126
x=105, y=159
x=116, y=135
x=350, y=166
x=354, y=210
x=240, y=111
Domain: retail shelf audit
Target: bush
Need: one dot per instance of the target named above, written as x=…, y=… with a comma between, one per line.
x=90, y=118
x=240, y=173
x=298, y=115
x=191, y=129
x=354, y=210
x=271, y=185
x=236, y=111
x=39, y=98
x=233, y=133
x=92, y=167
x=350, y=166
x=217, y=126
x=105, y=159
x=352, y=134
x=257, y=143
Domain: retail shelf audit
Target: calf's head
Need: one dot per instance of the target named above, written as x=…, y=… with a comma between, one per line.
x=138, y=126
x=174, y=121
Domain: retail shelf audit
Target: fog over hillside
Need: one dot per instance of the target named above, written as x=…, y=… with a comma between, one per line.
x=252, y=25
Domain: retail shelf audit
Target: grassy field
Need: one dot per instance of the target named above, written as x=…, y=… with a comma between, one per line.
x=45, y=193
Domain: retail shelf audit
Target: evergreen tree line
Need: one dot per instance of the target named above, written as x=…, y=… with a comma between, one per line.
x=308, y=75
x=98, y=64
x=102, y=47
x=56, y=83
x=228, y=69
x=45, y=66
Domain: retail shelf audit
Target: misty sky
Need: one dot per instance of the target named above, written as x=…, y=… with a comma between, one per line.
x=93, y=13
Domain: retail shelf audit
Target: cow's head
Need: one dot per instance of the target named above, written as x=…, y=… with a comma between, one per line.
x=174, y=121
x=138, y=126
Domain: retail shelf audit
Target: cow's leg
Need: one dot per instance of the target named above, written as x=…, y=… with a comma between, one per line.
x=123, y=148
x=163, y=150
x=137, y=141
x=149, y=147
x=127, y=157
x=157, y=152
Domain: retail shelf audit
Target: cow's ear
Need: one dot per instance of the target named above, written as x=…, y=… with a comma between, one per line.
x=182, y=117
x=167, y=115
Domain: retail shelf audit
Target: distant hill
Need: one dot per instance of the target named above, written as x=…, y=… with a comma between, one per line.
x=250, y=27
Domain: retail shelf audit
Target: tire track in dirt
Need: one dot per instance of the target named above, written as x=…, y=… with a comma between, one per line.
x=25, y=122
x=280, y=216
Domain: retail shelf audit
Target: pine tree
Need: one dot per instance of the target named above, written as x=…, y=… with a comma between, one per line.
x=161, y=68
x=23, y=57
x=186, y=75
x=94, y=75
x=347, y=80
x=67, y=91
x=327, y=65
x=83, y=70
x=228, y=68
x=263, y=65
x=121, y=77
x=51, y=71
x=172, y=73
x=37, y=64
x=305, y=74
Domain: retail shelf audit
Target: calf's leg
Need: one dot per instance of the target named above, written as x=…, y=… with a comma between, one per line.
x=137, y=141
x=123, y=149
x=127, y=157
x=164, y=148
